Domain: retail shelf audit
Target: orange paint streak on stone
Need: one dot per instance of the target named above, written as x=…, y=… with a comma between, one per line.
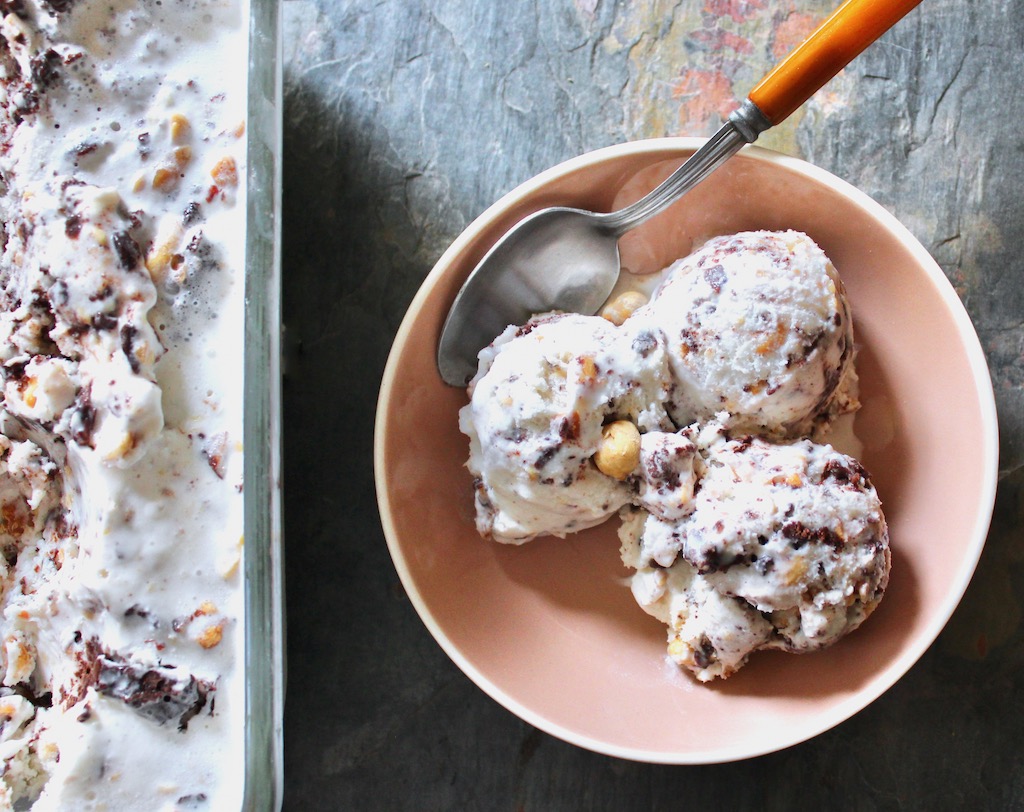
x=719, y=39
x=737, y=10
x=705, y=95
x=791, y=31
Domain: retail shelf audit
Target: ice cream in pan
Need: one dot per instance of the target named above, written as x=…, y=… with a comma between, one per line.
x=122, y=166
x=691, y=417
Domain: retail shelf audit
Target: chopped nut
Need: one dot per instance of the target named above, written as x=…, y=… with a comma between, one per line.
x=619, y=453
x=160, y=260
x=165, y=179
x=796, y=571
x=588, y=371
x=623, y=306
x=29, y=395
x=179, y=128
x=182, y=156
x=774, y=341
x=211, y=636
x=225, y=172
x=794, y=480
x=232, y=563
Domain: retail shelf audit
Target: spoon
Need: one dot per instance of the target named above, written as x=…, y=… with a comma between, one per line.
x=568, y=259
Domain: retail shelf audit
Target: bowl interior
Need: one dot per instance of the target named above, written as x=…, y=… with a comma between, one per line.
x=550, y=629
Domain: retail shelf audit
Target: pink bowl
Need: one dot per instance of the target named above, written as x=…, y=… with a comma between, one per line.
x=550, y=629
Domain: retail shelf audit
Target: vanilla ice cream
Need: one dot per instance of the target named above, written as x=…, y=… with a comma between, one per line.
x=122, y=194
x=691, y=416
x=758, y=327
x=537, y=406
x=790, y=538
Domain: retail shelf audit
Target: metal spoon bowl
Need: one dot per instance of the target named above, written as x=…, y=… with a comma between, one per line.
x=568, y=259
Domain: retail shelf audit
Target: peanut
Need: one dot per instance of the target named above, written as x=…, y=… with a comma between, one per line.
x=179, y=128
x=225, y=172
x=211, y=636
x=619, y=453
x=796, y=571
x=165, y=179
x=182, y=156
x=623, y=306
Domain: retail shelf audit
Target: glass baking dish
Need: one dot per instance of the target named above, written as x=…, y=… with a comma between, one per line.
x=141, y=664
x=263, y=557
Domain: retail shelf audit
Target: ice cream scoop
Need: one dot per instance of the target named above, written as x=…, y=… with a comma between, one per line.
x=782, y=546
x=759, y=334
x=568, y=259
x=537, y=417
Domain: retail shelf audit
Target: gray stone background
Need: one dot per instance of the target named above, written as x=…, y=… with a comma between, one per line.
x=403, y=121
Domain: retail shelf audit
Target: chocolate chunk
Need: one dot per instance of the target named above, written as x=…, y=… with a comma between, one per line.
x=161, y=693
x=105, y=291
x=712, y=560
x=545, y=456
x=24, y=690
x=136, y=610
x=193, y=214
x=45, y=66
x=128, y=334
x=59, y=6
x=741, y=444
x=799, y=534
x=104, y=321
x=660, y=467
x=83, y=418
x=128, y=253
x=851, y=472
x=644, y=343
x=569, y=427
x=16, y=7
x=73, y=226
x=715, y=277
x=704, y=654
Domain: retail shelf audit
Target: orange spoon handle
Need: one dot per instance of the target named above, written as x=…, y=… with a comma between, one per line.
x=851, y=28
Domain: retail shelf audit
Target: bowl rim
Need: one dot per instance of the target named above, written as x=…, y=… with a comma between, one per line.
x=990, y=455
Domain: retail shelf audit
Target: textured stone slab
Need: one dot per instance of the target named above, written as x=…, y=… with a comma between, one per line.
x=404, y=120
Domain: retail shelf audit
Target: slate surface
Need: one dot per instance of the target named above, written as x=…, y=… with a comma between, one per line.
x=403, y=121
